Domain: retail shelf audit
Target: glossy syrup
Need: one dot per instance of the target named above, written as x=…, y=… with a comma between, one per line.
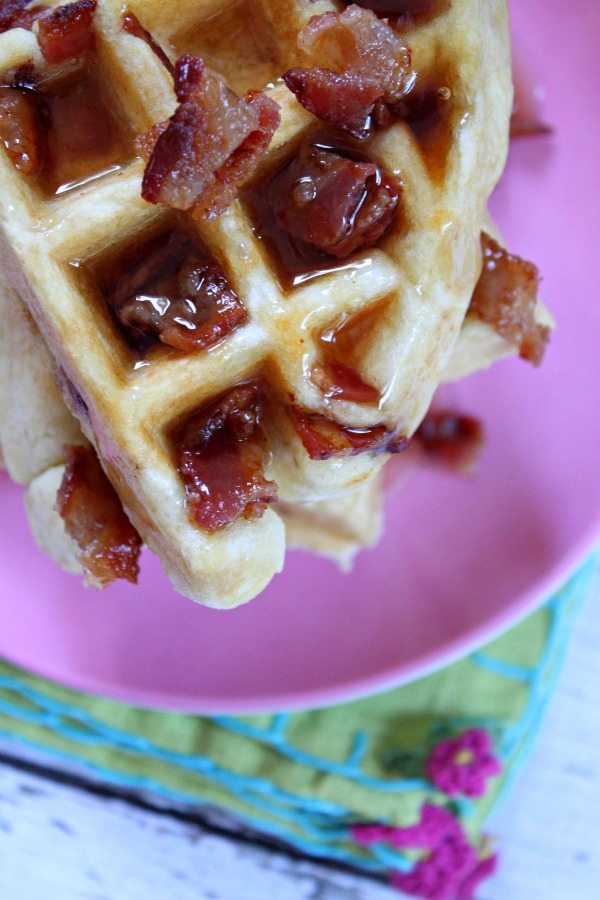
x=86, y=136
x=294, y=260
x=428, y=112
x=162, y=290
x=342, y=346
x=105, y=273
x=345, y=340
x=72, y=124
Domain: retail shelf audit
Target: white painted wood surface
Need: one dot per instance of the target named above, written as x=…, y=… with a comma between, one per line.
x=58, y=842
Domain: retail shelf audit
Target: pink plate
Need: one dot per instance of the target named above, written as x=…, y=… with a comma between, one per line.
x=460, y=560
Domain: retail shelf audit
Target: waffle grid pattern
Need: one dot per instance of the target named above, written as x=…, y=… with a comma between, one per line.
x=132, y=409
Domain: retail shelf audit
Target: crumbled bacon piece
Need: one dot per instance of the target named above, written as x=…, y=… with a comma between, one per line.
x=210, y=146
x=220, y=459
x=505, y=296
x=132, y=25
x=21, y=129
x=329, y=201
x=451, y=439
x=206, y=311
x=338, y=382
x=109, y=545
x=324, y=438
x=145, y=143
x=67, y=32
x=13, y=14
x=25, y=78
x=368, y=65
x=177, y=294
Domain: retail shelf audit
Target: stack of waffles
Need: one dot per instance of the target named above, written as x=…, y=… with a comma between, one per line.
x=242, y=349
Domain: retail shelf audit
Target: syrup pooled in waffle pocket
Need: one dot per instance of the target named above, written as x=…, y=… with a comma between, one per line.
x=249, y=297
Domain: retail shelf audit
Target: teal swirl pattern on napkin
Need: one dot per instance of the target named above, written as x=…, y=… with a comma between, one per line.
x=400, y=782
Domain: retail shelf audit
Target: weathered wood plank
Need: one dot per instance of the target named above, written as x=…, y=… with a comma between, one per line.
x=61, y=843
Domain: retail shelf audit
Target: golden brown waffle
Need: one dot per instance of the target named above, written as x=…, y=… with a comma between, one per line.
x=34, y=422
x=35, y=425
x=415, y=285
x=336, y=529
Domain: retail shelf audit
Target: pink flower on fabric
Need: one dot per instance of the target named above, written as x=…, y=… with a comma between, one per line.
x=435, y=824
x=451, y=869
x=464, y=764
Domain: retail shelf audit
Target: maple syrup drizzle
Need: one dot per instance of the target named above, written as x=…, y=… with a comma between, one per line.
x=296, y=260
x=324, y=438
x=342, y=347
x=71, y=121
x=427, y=110
x=85, y=138
x=165, y=286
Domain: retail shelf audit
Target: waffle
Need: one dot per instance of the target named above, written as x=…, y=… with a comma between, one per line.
x=34, y=421
x=35, y=426
x=409, y=293
x=336, y=529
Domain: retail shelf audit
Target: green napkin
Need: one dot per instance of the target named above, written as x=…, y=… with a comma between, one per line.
x=308, y=778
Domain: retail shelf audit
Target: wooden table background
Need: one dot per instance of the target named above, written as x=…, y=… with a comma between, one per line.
x=64, y=838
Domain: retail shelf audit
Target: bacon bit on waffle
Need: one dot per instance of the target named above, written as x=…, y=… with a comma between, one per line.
x=210, y=146
x=219, y=457
x=20, y=123
x=329, y=201
x=132, y=25
x=109, y=545
x=338, y=382
x=324, y=438
x=179, y=296
x=505, y=297
x=371, y=69
x=67, y=32
x=145, y=143
x=14, y=15
x=450, y=439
